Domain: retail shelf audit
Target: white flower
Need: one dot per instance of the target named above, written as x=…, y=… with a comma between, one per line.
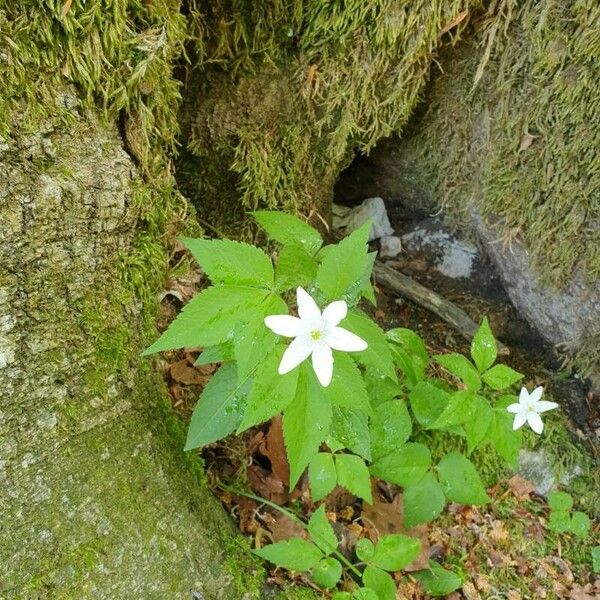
x=528, y=409
x=314, y=333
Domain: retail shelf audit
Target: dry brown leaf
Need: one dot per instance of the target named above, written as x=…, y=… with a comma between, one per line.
x=266, y=484
x=183, y=372
x=526, y=141
x=282, y=527
x=514, y=595
x=469, y=591
x=461, y=16
x=273, y=448
x=520, y=487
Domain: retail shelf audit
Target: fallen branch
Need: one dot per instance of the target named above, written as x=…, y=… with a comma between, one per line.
x=446, y=310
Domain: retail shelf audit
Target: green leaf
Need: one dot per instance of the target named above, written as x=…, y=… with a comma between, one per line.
x=413, y=344
x=381, y=582
x=271, y=393
x=212, y=354
x=559, y=521
x=295, y=266
x=407, y=365
x=321, y=532
x=406, y=466
x=365, y=594
x=560, y=501
x=209, y=318
x=460, y=408
x=580, y=524
x=437, y=581
x=343, y=267
x=296, y=554
x=428, y=402
x=476, y=429
x=499, y=377
x=306, y=423
x=596, y=559
x=327, y=572
x=347, y=387
x=288, y=229
x=483, y=347
x=380, y=387
x=505, y=440
x=352, y=473
x=351, y=429
x=460, y=481
x=390, y=428
x=232, y=263
x=365, y=549
x=423, y=501
x=321, y=475
x=395, y=551
x=219, y=408
x=365, y=287
x=461, y=367
x=377, y=355
x=341, y=596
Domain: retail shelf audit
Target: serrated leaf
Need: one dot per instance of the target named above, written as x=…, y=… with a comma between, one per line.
x=499, y=377
x=321, y=532
x=477, y=428
x=437, y=581
x=271, y=392
x=288, y=229
x=209, y=318
x=350, y=428
x=377, y=356
x=483, y=347
x=406, y=466
x=295, y=266
x=219, y=408
x=321, y=475
x=406, y=364
x=365, y=593
x=341, y=596
x=380, y=387
x=212, y=354
x=306, y=423
x=343, y=266
x=505, y=440
x=327, y=572
x=460, y=408
x=347, y=387
x=460, y=481
x=461, y=367
x=423, y=501
x=296, y=554
x=560, y=501
x=559, y=521
x=580, y=524
x=395, y=551
x=413, y=344
x=365, y=549
x=365, y=285
x=230, y=262
x=428, y=402
x=253, y=342
x=390, y=428
x=381, y=582
x=352, y=473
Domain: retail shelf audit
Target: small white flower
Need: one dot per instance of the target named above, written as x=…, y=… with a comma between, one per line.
x=314, y=333
x=528, y=409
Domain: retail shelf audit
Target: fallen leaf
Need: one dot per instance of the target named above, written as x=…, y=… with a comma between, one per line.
x=469, y=591
x=461, y=16
x=273, y=448
x=520, y=487
x=282, y=527
x=267, y=485
x=183, y=372
x=526, y=141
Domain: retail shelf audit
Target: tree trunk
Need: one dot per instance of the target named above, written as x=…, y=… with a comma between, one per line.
x=98, y=499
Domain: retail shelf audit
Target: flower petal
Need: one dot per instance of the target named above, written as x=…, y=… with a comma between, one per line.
x=523, y=396
x=342, y=339
x=286, y=325
x=536, y=394
x=335, y=312
x=295, y=353
x=514, y=408
x=544, y=405
x=535, y=422
x=307, y=307
x=519, y=421
x=322, y=362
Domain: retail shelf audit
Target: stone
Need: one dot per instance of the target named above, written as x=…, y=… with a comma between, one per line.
x=351, y=219
x=389, y=246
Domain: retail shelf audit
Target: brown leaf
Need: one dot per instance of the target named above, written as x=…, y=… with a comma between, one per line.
x=282, y=527
x=469, y=591
x=514, y=595
x=273, y=448
x=461, y=16
x=585, y=592
x=520, y=487
x=267, y=485
x=183, y=372
x=247, y=515
x=526, y=141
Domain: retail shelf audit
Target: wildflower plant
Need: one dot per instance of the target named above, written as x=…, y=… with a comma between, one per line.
x=352, y=396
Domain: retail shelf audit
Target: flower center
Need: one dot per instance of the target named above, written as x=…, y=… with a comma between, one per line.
x=316, y=335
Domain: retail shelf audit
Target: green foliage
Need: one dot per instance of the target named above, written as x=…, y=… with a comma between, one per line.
x=423, y=501
x=321, y=532
x=596, y=559
x=562, y=520
x=289, y=230
x=322, y=475
x=460, y=480
x=483, y=347
x=353, y=474
x=380, y=582
x=395, y=551
x=296, y=554
x=327, y=572
x=437, y=581
x=406, y=466
x=462, y=367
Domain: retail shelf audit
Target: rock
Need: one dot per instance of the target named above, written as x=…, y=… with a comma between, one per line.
x=389, y=246
x=351, y=219
x=536, y=467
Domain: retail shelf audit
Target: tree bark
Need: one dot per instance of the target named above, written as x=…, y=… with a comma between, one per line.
x=98, y=499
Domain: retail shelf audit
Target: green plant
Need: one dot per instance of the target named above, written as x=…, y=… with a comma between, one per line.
x=563, y=519
x=351, y=415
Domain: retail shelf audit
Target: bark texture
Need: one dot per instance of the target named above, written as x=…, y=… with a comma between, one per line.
x=98, y=500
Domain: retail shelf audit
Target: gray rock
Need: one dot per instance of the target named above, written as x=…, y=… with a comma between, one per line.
x=535, y=466
x=389, y=246
x=351, y=219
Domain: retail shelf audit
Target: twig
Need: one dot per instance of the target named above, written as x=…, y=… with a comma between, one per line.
x=446, y=310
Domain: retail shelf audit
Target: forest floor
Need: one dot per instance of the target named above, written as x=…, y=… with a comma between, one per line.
x=503, y=549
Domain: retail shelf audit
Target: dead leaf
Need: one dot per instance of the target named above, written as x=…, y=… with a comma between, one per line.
x=469, y=591
x=520, y=487
x=514, y=595
x=273, y=448
x=282, y=527
x=461, y=16
x=183, y=372
x=266, y=484
x=585, y=592
x=526, y=141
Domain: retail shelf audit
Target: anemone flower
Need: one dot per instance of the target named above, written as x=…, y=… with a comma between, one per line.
x=528, y=409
